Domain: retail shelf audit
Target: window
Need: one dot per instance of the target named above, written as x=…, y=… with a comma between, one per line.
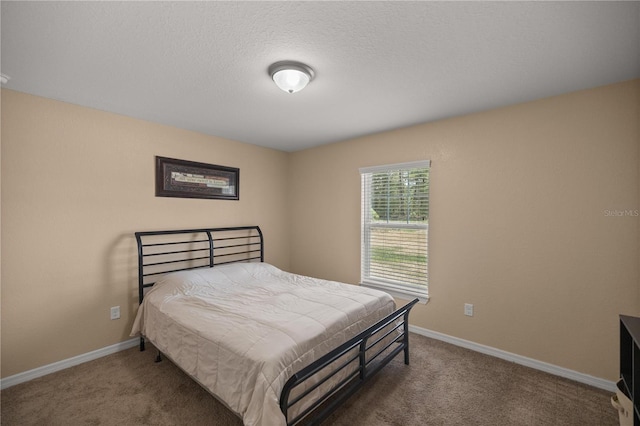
x=395, y=224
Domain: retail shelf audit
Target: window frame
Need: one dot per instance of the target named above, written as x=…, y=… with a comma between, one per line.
x=397, y=289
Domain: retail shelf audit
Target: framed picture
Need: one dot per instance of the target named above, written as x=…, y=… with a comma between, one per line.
x=188, y=179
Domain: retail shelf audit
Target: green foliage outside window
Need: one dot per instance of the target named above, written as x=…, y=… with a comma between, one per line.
x=400, y=196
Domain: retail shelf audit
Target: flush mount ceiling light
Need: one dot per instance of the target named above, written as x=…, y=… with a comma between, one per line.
x=291, y=76
x=4, y=79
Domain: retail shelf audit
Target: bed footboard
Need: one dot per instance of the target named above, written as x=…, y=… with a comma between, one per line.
x=371, y=350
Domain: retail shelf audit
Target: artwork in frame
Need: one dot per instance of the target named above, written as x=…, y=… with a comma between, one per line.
x=190, y=179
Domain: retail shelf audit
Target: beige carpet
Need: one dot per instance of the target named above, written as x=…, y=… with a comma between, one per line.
x=444, y=385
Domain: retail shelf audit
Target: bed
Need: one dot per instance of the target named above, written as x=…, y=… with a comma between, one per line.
x=276, y=348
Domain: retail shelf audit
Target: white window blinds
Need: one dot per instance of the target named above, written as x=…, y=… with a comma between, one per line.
x=395, y=224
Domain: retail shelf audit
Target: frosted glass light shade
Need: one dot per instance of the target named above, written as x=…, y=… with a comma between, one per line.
x=291, y=80
x=291, y=76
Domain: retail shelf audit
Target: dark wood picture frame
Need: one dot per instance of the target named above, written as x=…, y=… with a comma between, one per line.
x=190, y=179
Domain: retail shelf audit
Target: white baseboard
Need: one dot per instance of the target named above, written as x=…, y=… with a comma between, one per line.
x=518, y=359
x=498, y=353
x=66, y=363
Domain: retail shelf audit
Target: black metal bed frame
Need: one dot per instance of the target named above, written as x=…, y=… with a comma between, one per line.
x=356, y=360
x=182, y=250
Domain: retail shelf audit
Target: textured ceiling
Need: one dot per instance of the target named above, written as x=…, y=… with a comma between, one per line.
x=379, y=65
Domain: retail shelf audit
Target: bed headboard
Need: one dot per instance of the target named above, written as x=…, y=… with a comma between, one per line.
x=161, y=252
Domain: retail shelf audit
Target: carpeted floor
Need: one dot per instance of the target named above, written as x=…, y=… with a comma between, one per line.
x=444, y=385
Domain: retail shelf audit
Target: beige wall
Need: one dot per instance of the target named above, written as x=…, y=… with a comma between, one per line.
x=518, y=222
x=76, y=184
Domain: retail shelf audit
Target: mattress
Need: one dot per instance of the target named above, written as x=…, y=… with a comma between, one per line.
x=241, y=330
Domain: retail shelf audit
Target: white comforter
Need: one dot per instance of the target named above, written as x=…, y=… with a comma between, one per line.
x=241, y=330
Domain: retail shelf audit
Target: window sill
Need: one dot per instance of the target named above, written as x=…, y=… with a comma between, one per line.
x=397, y=293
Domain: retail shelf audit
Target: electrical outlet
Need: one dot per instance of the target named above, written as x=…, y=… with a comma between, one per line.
x=115, y=312
x=468, y=309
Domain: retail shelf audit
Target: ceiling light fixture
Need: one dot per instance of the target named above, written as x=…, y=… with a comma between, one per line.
x=4, y=79
x=291, y=76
